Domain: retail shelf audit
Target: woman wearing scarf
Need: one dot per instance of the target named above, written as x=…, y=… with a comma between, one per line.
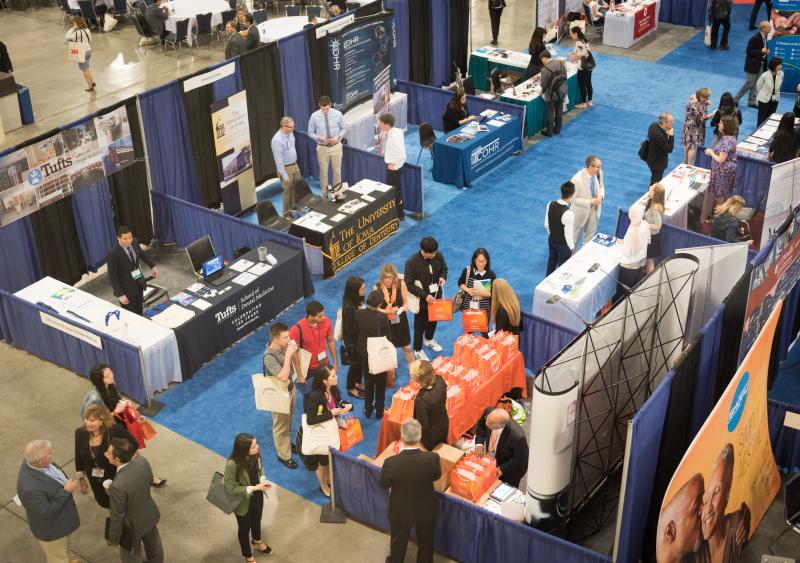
x=633, y=251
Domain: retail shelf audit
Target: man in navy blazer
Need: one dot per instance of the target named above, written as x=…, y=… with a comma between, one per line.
x=755, y=63
x=45, y=492
x=125, y=273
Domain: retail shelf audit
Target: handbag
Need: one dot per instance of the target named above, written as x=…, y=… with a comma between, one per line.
x=109, y=22
x=413, y=300
x=76, y=51
x=440, y=310
x=349, y=354
x=458, y=298
x=219, y=497
x=381, y=354
x=302, y=354
x=134, y=423
x=271, y=394
x=148, y=430
x=338, y=329
x=644, y=150
x=707, y=36
x=588, y=61
x=351, y=434
x=475, y=320
x=317, y=438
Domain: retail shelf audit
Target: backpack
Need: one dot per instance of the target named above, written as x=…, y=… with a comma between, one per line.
x=644, y=150
x=720, y=9
x=557, y=91
x=588, y=61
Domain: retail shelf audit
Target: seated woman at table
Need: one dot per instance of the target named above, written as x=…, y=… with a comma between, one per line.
x=653, y=215
x=783, y=146
x=536, y=47
x=725, y=225
x=430, y=405
x=505, y=309
x=598, y=11
x=456, y=114
x=323, y=403
x=634, y=251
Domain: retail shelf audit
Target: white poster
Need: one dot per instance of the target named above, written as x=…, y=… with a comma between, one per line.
x=234, y=154
x=784, y=192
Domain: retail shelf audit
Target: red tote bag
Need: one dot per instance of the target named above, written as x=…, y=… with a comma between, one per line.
x=440, y=310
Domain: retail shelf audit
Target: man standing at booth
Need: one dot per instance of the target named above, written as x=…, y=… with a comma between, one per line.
x=393, y=149
x=502, y=438
x=589, y=194
x=285, y=155
x=125, y=273
x=326, y=126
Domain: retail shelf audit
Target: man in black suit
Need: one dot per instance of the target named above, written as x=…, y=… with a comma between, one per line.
x=661, y=141
x=500, y=436
x=754, y=13
x=253, y=38
x=125, y=273
x=755, y=63
x=409, y=476
x=155, y=16
x=132, y=507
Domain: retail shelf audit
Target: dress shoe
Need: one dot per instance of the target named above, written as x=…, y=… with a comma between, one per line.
x=724, y=48
x=368, y=413
x=294, y=448
x=290, y=463
x=355, y=393
x=161, y=483
x=546, y=134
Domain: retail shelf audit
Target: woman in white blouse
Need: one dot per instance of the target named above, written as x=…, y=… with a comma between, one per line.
x=769, y=89
x=80, y=33
x=633, y=250
x=577, y=56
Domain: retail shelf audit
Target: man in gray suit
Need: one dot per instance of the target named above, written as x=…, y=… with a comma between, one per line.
x=236, y=44
x=132, y=507
x=253, y=39
x=45, y=492
x=587, y=201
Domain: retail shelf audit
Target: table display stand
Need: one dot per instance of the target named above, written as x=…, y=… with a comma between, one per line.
x=330, y=513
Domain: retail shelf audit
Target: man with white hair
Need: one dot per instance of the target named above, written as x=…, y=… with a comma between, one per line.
x=409, y=476
x=502, y=438
x=45, y=492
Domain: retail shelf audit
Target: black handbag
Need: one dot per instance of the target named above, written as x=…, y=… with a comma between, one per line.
x=588, y=61
x=349, y=354
x=219, y=497
x=458, y=298
x=644, y=150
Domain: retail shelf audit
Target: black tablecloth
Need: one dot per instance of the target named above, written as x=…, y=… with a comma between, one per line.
x=355, y=234
x=241, y=310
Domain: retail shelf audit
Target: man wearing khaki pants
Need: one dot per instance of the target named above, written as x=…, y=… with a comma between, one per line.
x=285, y=155
x=278, y=363
x=326, y=126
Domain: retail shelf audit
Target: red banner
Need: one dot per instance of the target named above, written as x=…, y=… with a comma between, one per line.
x=644, y=20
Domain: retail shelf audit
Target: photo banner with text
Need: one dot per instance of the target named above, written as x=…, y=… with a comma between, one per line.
x=783, y=195
x=234, y=153
x=785, y=41
x=728, y=477
x=357, y=53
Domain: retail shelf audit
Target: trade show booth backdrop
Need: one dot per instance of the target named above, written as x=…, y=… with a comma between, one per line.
x=684, y=12
x=752, y=177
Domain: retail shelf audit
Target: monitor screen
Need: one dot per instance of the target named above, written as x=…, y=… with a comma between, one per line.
x=213, y=265
x=200, y=251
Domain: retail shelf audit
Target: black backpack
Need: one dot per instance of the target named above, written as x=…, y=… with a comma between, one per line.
x=644, y=150
x=557, y=87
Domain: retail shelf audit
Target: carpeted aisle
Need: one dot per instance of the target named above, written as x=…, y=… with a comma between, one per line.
x=503, y=211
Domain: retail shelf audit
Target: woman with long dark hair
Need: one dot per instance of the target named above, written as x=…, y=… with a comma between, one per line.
x=577, y=56
x=372, y=322
x=726, y=107
x=783, y=146
x=476, y=282
x=457, y=114
x=536, y=47
x=352, y=301
x=244, y=477
x=769, y=89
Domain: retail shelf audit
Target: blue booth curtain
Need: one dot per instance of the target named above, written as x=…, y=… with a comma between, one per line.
x=752, y=176
x=19, y=260
x=785, y=441
x=707, y=374
x=683, y=12
x=400, y=8
x=229, y=85
x=647, y=427
x=94, y=221
x=169, y=145
x=440, y=43
x=541, y=340
x=298, y=88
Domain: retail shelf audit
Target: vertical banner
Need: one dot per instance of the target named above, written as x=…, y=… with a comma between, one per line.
x=381, y=101
x=785, y=42
x=234, y=154
x=728, y=477
x=784, y=193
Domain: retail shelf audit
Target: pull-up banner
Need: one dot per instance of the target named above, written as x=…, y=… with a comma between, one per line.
x=357, y=53
x=785, y=41
x=234, y=153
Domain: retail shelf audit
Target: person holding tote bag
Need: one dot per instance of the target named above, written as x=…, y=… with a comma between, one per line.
x=79, y=33
x=395, y=305
x=244, y=476
x=323, y=404
x=372, y=323
x=352, y=301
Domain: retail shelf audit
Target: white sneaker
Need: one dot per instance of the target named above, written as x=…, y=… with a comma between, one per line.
x=420, y=355
x=433, y=345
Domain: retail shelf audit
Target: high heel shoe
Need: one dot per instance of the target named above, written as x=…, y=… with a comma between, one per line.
x=262, y=547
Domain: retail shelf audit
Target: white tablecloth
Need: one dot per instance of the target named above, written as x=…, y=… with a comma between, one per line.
x=681, y=186
x=188, y=9
x=756, y=145
x=588, y=293
x=158, y=344
x=619, y=26
x=360, y=121
x=278, y=28
x=73, y=4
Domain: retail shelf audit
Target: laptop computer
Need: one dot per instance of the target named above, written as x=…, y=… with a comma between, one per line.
x=215, y=272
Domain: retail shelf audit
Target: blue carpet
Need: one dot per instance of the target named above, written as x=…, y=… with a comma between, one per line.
x=503, y=211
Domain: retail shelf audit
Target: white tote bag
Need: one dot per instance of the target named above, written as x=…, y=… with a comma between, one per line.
x=707, y=36
x=317, y=438
x=109, y=22
x=413, y=300
x=338, y=333
x=381, y=354
x=271, y=394
x=77, y=51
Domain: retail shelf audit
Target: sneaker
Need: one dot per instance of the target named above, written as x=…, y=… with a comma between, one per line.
x=420, y=355
x=433, y=345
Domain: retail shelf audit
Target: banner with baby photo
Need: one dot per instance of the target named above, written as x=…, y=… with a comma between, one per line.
x=785, y=40
x=728, y=478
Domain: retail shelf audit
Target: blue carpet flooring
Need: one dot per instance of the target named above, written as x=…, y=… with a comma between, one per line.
x=503, y=211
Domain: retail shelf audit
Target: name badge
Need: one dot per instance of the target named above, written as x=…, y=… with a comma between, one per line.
x=98, y=472
x=136, y=274
x=433, y=288
x=395, y=320
x=474, y=305
x=322, y=356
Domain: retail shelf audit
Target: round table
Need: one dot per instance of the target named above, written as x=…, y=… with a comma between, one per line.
x=278, y=28
x=188, y=9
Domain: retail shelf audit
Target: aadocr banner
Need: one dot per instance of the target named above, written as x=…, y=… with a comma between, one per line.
x=728, y=477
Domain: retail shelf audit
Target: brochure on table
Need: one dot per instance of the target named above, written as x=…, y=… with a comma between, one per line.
x=681, y=186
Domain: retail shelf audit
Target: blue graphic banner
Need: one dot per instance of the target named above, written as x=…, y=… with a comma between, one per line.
x=785, y=42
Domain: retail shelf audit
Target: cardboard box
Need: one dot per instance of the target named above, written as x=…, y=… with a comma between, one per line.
x=481, y=501
x=448, y=457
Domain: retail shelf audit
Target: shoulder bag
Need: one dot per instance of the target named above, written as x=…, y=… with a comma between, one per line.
x=317, y=438
x=458, y=298
x=381, y=354
x=588, y=60
x=271, y=394
x=303, y=355
x=76, y=50
x=219, y=497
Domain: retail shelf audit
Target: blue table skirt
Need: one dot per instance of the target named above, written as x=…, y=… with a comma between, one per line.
x=461, y=163
x=535, y=110
x=752, y=177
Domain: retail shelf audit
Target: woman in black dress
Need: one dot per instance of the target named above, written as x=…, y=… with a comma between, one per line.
x=352, y=301
x=323, y=403
x=91, y=443
x=371, y=323
x=430, y=406
x=476, y=282
x=395, y=305
x=456, y=114
x=783, y=146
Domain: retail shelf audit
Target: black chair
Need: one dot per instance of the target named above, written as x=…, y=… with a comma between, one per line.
x=260, y=16
x=268, y=216
x=137, y=22
x=314, y=11
x=791, y=508
x=203, y=27
x=141, y=6
x=120, y=8
x=588, y=12
x=293, y=10
x=181, y=35
x=304, y=196
x=87, y=11
x=426, y=139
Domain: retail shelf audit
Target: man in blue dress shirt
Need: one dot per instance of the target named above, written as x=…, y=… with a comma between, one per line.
x=326, y=127
x=285, y=155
